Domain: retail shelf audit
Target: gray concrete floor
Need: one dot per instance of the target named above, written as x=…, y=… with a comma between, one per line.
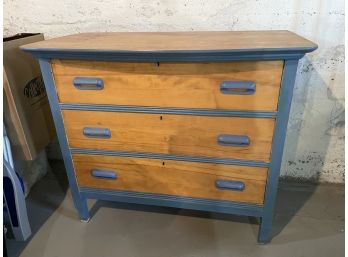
x=309, y=222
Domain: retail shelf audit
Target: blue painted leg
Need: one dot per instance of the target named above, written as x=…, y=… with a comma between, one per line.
x=285, y=97
x=264, y=230
x=82, y=208
x=80, y=202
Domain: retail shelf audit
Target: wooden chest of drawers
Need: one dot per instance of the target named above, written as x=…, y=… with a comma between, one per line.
x=191, y=120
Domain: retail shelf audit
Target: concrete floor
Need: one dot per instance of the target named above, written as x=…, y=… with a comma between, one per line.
x=309, y=222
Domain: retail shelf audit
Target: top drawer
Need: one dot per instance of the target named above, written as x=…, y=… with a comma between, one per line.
x=222, y=85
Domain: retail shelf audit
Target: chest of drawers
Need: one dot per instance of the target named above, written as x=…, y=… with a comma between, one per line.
x=190, y=120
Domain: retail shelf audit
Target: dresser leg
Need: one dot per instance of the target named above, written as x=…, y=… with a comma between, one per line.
x=264, y=230
x=85, y=221
x=82, y=208
x=79, y=201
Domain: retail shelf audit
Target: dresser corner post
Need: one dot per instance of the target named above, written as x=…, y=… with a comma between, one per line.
x=285, y=98
x=80, y=201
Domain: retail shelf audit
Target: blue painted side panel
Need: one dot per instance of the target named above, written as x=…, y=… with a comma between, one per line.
x=159, y=110
x=173, y=201
x=79, y=201
x=170, y=157
x=288, y=81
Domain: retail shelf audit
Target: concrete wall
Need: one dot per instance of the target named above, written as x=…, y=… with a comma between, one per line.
x=315, y=141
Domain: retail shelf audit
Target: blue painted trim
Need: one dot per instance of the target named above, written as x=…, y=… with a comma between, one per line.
x=172, y=56
x=173, y=201
x=237, y=87
x=88, y=83
x=286, y=92
x=170, y=157
x=159, y=110
x=104, y=174
x=230, y=185
x=233, y=140
x=79, y=201
x=96, y=132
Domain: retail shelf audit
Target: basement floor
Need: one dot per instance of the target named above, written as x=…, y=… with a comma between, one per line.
x=309, y=221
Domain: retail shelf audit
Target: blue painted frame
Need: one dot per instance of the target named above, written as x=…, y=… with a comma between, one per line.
x=172, y=56
x=265, y=212
x=285, y=97
x=80, y=201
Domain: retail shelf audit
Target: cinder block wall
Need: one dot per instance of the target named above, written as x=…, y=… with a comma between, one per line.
x=315, y=141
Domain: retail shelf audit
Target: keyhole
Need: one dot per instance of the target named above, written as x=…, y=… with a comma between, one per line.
x=161, y=118
x=158, y=64
x=163, y=163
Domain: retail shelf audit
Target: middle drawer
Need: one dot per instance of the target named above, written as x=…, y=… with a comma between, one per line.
x=223, y=137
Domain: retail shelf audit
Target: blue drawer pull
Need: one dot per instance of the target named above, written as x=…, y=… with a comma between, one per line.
x=97, y=132
x=237, y=87
x=106, y=174
x=233, y=140
x=230, y=185
x=84, y=83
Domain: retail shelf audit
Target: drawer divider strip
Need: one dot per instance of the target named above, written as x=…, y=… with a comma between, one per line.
x=171, y=157
x=159, y=110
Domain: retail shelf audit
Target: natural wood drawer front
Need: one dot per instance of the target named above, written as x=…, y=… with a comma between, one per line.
x=172, y=177
x=171, y=134
x=186, y=85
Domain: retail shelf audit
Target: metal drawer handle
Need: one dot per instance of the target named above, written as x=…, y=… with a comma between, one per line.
x=237, y=87
x=84, y=83
x=230, y=185
x=233, y=140
x=106, y=174
x=97, y=132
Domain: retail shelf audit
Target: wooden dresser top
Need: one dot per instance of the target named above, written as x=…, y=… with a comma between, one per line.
x=177, y=41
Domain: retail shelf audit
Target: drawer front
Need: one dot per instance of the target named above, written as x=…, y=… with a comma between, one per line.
x=191, y=179
x=225, y=137
x=230, y=85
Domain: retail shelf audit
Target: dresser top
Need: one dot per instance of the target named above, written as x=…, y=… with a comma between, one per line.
x=229, y=42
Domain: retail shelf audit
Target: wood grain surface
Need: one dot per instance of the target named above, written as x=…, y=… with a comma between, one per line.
x=171, y=134
x=186, y=85
x=176, y=41
x=172, y=177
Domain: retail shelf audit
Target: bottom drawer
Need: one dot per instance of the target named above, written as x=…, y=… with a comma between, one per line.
x=181, y=178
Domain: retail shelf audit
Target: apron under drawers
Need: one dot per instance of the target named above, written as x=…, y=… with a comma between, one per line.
x=190, y=179
x=225, y=137
x=225, y=85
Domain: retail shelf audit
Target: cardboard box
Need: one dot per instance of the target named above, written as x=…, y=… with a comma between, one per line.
x=27, y=114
